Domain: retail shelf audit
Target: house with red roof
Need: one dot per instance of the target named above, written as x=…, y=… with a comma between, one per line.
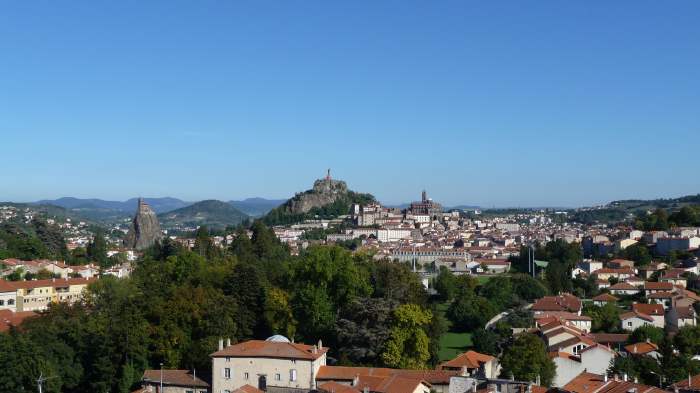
x=688, y=385
x=173, y=381
x=275, y=362
x=587, y=382
x=473, y=363
x=564, y=302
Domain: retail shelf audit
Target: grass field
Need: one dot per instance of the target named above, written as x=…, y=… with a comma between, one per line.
x=483, y=279
x=452, y=343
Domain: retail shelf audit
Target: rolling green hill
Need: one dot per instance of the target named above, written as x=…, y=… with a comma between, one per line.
x=212, y=213
x=628, y=210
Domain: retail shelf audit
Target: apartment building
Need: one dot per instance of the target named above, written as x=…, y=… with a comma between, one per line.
x=36, y=295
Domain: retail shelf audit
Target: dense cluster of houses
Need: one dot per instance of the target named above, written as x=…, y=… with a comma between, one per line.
x=280, y=365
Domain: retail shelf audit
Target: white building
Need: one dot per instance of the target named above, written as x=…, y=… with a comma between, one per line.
x=275, y=362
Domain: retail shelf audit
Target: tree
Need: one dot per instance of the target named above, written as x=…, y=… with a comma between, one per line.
x=605, y=318
x=638, y=253
x=396, y=281
x=445, y=284
x=527, y=288
x=469, y=313
x=687, y=340
x=204, y=245
x=334, y=268
x=558, y=277
x=647, y=332
x=526, y=360
x=314, y=310
x=278, y=313
x=97, y=249
x=408, y=344
x=363, y=329
x=486, y=341
x=22, y=362
x=247, y=287
x=499, y=291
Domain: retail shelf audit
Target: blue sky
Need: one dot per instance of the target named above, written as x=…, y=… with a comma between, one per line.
x=490, y=103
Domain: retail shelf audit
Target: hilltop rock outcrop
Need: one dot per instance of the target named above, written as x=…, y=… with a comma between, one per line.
x=145, y=228
x=324, y=192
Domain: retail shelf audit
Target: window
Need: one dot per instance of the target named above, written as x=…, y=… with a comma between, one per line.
x=2, y=302
x=227, y=373
x=293, y=375
x=278, y=377
x=189, y=391
x=11, y=302
x=228, y=359
x=246, y=375
x=629, y=324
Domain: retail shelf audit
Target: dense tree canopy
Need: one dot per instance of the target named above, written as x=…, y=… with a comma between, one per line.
x=526, y=360
x=178, y=303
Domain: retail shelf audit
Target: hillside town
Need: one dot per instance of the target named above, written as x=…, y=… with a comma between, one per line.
x=587, y=351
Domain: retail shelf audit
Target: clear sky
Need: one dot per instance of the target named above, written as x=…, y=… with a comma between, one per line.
x=519, y=103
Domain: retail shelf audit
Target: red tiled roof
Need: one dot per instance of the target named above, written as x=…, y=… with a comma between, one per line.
x=174, y=378
x=633, y=314
x=658, y=286
x=252, y=389
x=469, y=359
x=623, y=286
x=345, y=373
x=605, y=338
x=587, y=382
x=605, y=297
x=9, y=318
x=11, y=286
x=641, y=348
x=648, y=309
x=692, y=383
x=271, y=349
x=564, y=302
x=335, y=387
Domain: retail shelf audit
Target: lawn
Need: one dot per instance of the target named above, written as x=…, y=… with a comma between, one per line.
x=483, y=279
x=452, y=343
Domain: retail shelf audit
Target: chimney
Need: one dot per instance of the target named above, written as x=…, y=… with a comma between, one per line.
x=228, y=342
x=538, y=380
x=465, y=371
x=634, y=349
x=314, y=350
x=605, y=377
x=624, y=377
x=365, y=389
x=355, y=380
x=221, y=344
x=320, y=344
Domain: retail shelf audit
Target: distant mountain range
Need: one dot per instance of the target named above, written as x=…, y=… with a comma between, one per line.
x=212, y=213
x=159, y=205
x=104, y=210
x=256, y=207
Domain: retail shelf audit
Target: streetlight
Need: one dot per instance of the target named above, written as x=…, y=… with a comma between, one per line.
x=161, y=378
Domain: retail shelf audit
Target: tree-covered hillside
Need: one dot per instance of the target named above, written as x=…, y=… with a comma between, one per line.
x=211, y=213
x=282, y=215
